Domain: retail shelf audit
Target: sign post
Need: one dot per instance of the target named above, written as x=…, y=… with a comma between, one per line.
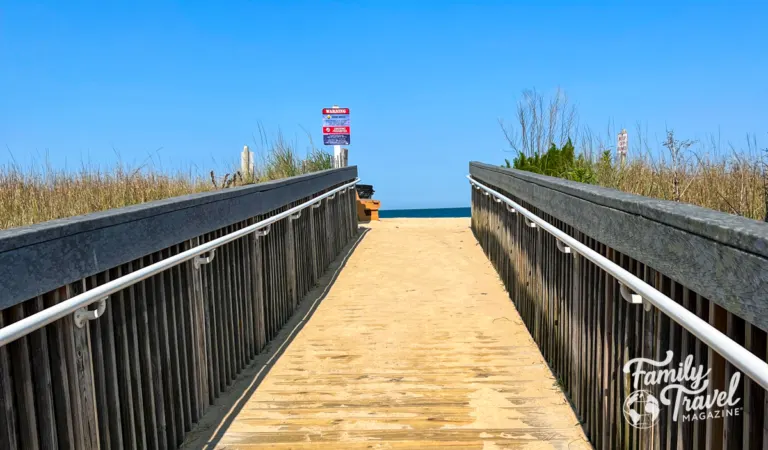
x=622, y=146
x=336, y=130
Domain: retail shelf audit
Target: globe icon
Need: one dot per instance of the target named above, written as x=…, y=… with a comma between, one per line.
x=641, y=409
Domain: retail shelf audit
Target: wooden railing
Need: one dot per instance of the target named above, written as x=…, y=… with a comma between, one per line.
x=715, y=265
x=144, y=373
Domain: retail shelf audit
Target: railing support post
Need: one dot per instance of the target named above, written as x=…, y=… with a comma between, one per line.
x=313, y=241
x=329, y=248
x=200, y=329
x=84, y=400
x=257, y=268
x=290, y=262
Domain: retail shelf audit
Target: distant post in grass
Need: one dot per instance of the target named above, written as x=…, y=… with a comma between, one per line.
x=246, y=162
x=621, y=147
x=344, y=157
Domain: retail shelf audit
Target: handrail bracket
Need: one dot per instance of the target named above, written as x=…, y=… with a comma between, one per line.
x=84, y=314
x=263, y=231
x=628, y=295
x=200, y=260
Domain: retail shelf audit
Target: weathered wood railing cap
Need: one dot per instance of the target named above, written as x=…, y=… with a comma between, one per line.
x=739, y=232
x=39, y=258
x=54, y=229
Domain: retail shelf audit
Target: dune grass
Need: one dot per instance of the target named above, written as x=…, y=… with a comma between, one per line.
x=732, y=178
x=735, y=183
x=42, y=193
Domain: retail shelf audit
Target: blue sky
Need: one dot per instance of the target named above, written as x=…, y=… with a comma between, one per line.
x=426, y=82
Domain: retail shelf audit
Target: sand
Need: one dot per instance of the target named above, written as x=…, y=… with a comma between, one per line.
x=416, y=344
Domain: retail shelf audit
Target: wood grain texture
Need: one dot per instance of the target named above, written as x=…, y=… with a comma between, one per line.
x=416, y=345
x=702, y=264
x=43, y=257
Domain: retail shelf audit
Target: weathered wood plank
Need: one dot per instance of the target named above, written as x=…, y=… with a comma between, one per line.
x=230, y=310
x=117, y=304
x=82, y=386
x=356, y=383
x=733, y=426
x=83, y=246
x=214, y=324
x=163, y=363
x=57, y=339
x=610, y=216
x=41, y=372
x=290, y=261
x=237, y=306
x=702, y=358
x=257, y=274
x=182, y=307
x=8, y=433
x=168, y=309
x=145, y=437
x=163, y=427
x=199, y=346
x=754, y=394
x=717, y=318
x=23, y=382
x=246, y=292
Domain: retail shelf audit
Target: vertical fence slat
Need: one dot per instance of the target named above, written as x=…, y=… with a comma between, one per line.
x=117, y=306
x=257, y=273
x=144, y=436
x=237, y=319
x=172, y=326
x=82, y=388
x=246, y=292
x=200, y=346
x=141, y=374
x=41, y=371
x=290, y=262
x=8, y=436
x=183, y=306
x=163, y=425
x=23, y=382
x=754, y=394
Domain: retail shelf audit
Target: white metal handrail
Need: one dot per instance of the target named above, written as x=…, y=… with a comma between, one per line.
x=40, y=319
x=754, y=367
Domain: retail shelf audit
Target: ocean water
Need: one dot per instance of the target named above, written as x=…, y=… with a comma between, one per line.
x=431, y=212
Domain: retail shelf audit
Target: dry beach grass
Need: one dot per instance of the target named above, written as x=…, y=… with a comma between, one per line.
x=42, y=193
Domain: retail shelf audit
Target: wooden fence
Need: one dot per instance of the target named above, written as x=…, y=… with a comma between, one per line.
x=587, y=332
x=142, y=375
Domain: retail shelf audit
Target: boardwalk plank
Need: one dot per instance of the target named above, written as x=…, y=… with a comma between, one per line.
x=438, y=358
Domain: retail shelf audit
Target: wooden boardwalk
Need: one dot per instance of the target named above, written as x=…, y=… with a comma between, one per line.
x=415, y=345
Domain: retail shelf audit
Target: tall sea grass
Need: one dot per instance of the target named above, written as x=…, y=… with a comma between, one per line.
x=732, y=178
x=30, y=195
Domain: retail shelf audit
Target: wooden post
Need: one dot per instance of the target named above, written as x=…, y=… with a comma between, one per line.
x=258, y=289
x=200, y=331
x=81, y=381
x=8, y=437
x=290, y=263
x=313, y=243
x=328, y=231
x=344, y=157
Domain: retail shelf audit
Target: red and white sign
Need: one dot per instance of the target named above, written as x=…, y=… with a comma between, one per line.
x=622, y=144
x=335, y=110
x=336, y=130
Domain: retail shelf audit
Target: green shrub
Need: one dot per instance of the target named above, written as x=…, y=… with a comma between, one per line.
x=557, y=162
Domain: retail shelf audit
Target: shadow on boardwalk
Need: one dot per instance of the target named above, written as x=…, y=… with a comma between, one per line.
x=222, y=413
